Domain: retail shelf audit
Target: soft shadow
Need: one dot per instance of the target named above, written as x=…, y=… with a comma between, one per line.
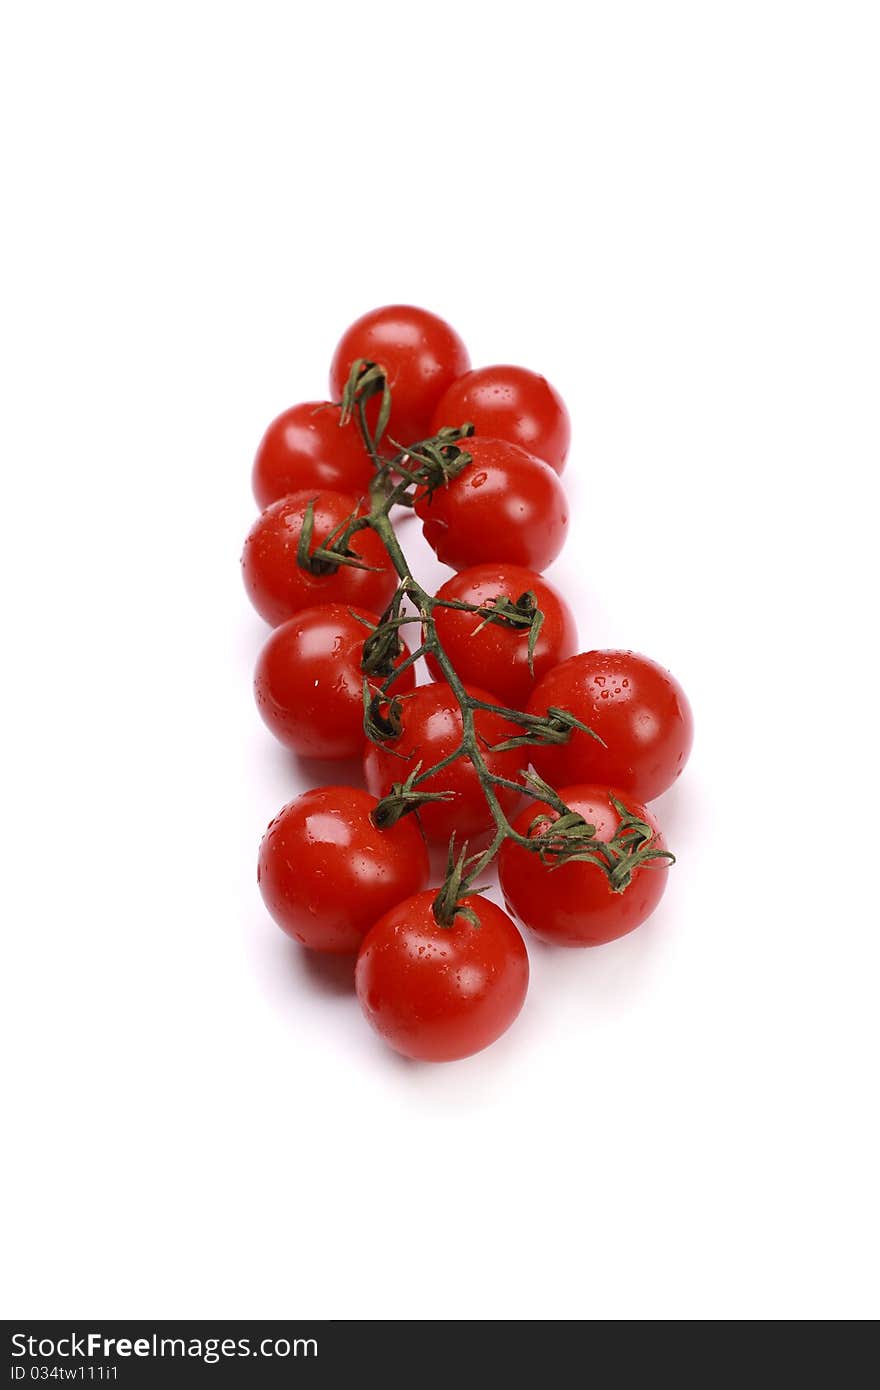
x=603, y=981
x=285, y=968
x=405, y=520
x=249, y=636
x=333, y=975
x=679, y=811
x=328, y=772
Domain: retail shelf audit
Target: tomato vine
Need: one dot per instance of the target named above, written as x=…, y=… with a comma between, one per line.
x=401, y=478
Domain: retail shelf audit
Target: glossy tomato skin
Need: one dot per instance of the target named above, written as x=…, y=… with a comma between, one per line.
x=510, y=403
x=431, y=730
x=306, y=447
x=438, y=994
x=327, y=874
x=421, y=354
x=637, y=708
x=276, y=584
x=497, y=653
x=573, y=904
x=309, y=682
x=505, y=505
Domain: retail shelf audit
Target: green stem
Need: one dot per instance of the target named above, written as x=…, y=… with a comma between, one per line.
x=378, y=520
x=385, y=494
x=402, y=666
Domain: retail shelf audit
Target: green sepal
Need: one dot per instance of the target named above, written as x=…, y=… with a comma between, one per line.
x=403, y=800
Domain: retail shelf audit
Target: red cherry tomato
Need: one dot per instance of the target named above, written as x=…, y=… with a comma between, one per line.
x=278, y=586
x=505, y=505
x=306, y=447
x=421, y=356
x=327, y=874
x=640, y=712
x=574, y=904
x=309, y=681
x=440, y=993
x=431, y=721
x=498, y=652
x=509, y=403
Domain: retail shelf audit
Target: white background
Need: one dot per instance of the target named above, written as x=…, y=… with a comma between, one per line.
x=672, y=211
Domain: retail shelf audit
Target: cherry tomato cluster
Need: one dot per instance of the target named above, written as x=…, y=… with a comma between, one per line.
x=516, y=747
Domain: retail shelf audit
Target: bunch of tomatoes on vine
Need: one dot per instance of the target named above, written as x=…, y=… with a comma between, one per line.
x=517, y=749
